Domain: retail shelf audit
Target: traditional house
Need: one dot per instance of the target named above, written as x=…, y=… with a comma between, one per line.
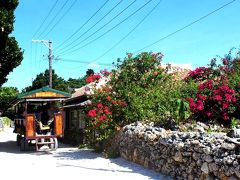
x=74, y=111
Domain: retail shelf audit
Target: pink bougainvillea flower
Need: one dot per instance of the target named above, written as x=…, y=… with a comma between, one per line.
x=234, y=100
x=201, y=97
x=225, y=61
x=225, y=106
x=192, y=104
x=228, y=97
x=218, y=98
x=209, y=84
x=199, y=73
x=114, y=102
x=225, y=116
x=200, y=106
x=103, y=118
x=89, y=79
x=92, y=113
x=99, y=105
x=231, y=91
x=107, y=110
x=129, y=55
x=108, y=98
x=224, y=88
x=154, y=55
x=92, y=78
x=200, y=87
x=105, y=72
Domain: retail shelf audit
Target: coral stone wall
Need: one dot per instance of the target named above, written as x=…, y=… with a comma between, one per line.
x=182, y=155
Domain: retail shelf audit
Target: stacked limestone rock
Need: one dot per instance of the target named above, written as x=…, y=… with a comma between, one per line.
x=182, y=155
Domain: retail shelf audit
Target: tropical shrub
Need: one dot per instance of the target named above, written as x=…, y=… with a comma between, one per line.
x=217, y=97
x=138, y=90
x=215, y=101
x=151, y=93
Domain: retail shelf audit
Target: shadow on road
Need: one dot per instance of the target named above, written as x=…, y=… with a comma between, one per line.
x=9, y=147
x=77, y=154
x=86, y=155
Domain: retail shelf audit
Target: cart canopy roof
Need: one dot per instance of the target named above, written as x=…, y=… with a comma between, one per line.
x=42, y=94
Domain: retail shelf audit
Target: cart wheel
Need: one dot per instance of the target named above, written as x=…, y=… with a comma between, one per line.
x=24, y=145
x=19, y=137
x=55, y=143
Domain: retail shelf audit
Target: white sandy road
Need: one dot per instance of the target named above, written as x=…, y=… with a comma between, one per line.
x=64, y=163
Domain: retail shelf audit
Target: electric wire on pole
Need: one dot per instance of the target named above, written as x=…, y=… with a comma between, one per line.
x=48, y=44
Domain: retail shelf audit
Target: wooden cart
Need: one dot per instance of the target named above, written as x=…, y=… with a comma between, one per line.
x=29, y=127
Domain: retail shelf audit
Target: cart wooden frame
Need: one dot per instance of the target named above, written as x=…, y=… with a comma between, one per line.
x=26, y=126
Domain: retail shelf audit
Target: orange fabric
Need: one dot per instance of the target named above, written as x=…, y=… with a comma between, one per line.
x=29, y=125
x=58, y=124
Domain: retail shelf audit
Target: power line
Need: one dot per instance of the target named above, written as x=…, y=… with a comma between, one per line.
x=31, y=59
x=61, y=18
x=134, y=28
x=48, y=44
x=110, y=28
x=186, y=26
x=51, y=21
x=40, y=56
x=54, y=5
x=94, y=14
x=94, y=24
x=99, y=28
x=81, y=62
x=35, y=56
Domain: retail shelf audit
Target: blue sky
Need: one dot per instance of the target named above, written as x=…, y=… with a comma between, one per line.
x=197, y=44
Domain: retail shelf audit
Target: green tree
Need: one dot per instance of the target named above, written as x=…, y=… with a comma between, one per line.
x=10, y=53
x=150, y=92
x=76, y=83
x=89, y=72
x=59, y=83
x=42, y=80
x=7, y=94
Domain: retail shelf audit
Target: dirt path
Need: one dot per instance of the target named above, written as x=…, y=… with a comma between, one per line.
x=65, y=162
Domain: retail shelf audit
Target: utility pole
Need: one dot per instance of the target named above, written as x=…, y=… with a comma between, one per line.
x=48, y=44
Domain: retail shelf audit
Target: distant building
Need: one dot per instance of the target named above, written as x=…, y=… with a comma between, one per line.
x=180, y=71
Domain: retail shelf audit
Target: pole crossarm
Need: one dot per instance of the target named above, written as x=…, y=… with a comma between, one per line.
x=45, y=42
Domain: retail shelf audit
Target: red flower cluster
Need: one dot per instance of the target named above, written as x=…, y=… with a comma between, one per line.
x=199, y=74
x=225, y=98
x=92, y=113
x=99, y=114
x=92, y=78
x=198, y=106
x=213, y=101
x=206, y=85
